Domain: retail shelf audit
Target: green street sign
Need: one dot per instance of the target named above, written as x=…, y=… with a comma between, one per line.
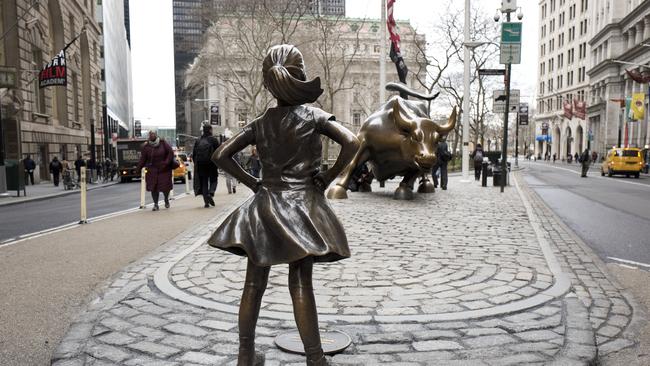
x=511, y=32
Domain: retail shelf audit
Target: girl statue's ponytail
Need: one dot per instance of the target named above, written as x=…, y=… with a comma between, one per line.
x=284, y=76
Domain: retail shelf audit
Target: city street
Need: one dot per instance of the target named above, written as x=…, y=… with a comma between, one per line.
x=611, y=214
x=36, y=216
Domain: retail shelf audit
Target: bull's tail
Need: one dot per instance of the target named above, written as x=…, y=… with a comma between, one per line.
x=405, y=90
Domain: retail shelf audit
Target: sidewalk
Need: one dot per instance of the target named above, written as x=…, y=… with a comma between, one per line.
x=467, y=276
x=46, y=190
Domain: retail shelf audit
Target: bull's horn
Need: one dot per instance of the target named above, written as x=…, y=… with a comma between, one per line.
x=451, y=123
x=401, y=122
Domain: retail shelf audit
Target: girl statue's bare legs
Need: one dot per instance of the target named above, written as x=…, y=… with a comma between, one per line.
x=304, y=310
x=249, y=309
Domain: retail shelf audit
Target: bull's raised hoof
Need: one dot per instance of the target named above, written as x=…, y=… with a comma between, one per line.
x=426, y=186
x=337, y=193
x=403, y=192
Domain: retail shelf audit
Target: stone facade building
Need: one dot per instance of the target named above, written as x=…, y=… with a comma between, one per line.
x=564, y=58
x=619, y=33
x=54, y=121
x=191, y=21
x=359, y=92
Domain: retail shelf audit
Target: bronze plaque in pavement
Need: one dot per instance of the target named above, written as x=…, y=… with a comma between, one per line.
x=333, y=342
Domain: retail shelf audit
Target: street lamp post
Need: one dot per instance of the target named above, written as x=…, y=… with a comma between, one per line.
x=466, y=105
x=504, y=154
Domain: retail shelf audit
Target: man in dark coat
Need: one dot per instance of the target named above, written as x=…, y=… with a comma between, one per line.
x=477, y=156
x=56, y=168
x=205, y=171
x=585, y=160
x=30, y=166
x=77, y=167
x=444, y=156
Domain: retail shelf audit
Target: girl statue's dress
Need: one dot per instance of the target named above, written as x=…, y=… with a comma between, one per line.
x=288, y=218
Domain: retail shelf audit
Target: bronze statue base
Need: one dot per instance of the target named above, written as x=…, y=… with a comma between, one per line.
x=337, y=193
x=333, y=342
x=403, y=193
x=426, y=186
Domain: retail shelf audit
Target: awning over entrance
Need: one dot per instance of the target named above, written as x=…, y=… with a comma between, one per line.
x=544, y=138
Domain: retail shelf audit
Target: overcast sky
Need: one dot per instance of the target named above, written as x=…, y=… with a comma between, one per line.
x=153, y=59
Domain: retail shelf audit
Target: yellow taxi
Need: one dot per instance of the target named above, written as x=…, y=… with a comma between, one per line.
x=179, y=173
x=623, y=160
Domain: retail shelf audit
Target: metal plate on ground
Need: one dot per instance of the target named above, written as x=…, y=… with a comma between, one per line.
x=333, y=342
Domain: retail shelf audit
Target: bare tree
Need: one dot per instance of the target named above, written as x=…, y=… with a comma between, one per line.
x=237, y=42
x=335, y=46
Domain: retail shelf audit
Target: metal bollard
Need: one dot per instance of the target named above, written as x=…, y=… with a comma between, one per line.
x=187, y=183
x=84, y=212
x=484, y=171
x=143, y=186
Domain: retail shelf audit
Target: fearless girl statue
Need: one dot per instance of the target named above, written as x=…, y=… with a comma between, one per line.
x=288, y=219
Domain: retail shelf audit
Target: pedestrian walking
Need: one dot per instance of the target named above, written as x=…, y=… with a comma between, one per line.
x=206, y=173
x=444, y=156
x=569, y=158
x=107, y=170
x=554, y=157
x=594, y=157
x=77, y=167
x=253, y=164
x=231, y=182
x=585, y=160
x=477, y=156
x=288, y=220
x=29, y=166
x=576, y=157
x=157, y=156
x=55, y=169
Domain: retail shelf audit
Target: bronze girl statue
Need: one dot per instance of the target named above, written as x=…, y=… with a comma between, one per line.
x=288, y=220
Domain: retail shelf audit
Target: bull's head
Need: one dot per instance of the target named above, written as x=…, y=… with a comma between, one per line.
x=421, y=136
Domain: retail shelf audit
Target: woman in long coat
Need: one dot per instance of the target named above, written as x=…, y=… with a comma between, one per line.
x=157, y=156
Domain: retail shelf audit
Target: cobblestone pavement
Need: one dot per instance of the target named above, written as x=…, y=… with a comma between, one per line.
x=461, y=277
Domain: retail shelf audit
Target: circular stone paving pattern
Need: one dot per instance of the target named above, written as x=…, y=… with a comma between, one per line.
x=462, y=249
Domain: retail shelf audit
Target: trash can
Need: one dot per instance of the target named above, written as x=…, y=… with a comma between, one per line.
x=15, y=176
x=496, y=176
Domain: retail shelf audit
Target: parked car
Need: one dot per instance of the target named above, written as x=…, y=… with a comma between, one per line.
x=179, y=173
x=625, y=160
x=187, y=161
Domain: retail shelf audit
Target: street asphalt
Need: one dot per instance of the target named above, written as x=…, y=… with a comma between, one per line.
x=612, y=214
x=53, y=212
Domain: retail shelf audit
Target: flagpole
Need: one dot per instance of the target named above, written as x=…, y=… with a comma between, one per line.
x=382, y=55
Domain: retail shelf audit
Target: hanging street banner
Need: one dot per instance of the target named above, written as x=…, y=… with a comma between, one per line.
x=54, y=73
x=523, y=114
x=638, y=110
x=511, y=43
x=568, y=109
x=215, y=116
x=580, y=109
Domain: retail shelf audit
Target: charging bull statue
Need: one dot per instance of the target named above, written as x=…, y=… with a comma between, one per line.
x=398, y=140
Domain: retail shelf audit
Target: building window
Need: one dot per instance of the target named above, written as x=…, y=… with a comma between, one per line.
x=39, y=94
x=356, y=118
